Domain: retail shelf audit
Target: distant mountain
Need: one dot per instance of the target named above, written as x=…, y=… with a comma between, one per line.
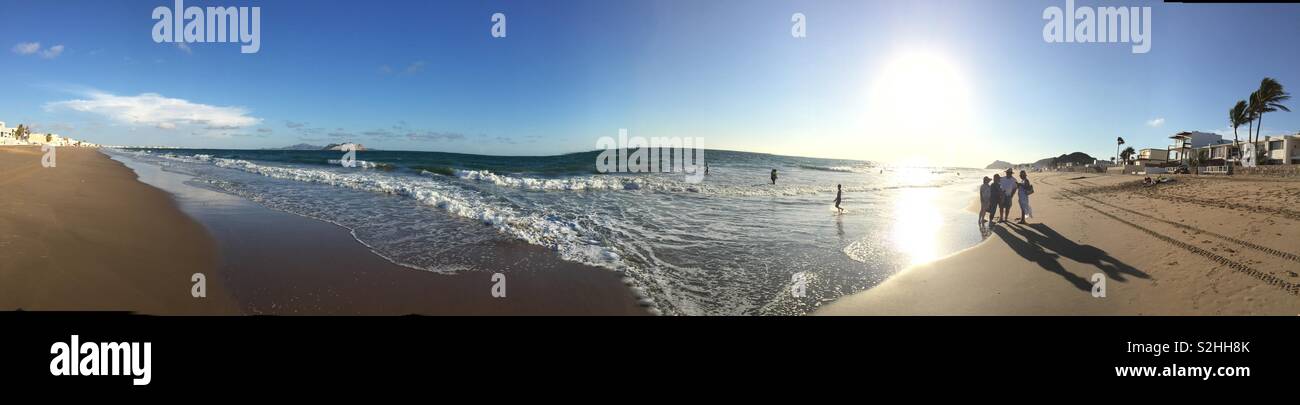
x=339, y=146
x=307, y=146
x=999, y=165
x=1078, y=158
x=301, y=146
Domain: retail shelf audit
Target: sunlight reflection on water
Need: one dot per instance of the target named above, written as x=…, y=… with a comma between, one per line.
x=917, y=224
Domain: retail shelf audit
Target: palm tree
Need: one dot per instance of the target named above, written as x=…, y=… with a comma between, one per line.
x=1239, y=114
x=21, y=133
x=1268, y=99
x=1118, y=141
x=1251, y=113
x=1127, y=153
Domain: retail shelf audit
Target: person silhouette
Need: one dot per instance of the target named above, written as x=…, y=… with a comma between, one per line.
x=1025, y=190
x=773, y=176
x=839, y=192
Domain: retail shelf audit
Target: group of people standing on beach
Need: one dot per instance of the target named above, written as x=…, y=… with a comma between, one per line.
x=996, y=196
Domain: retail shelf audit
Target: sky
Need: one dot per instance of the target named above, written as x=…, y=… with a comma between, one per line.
x=956, y=83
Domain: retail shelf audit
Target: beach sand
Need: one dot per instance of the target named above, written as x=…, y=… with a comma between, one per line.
x=90, y=236
x=85, y=235
x=1197, y=246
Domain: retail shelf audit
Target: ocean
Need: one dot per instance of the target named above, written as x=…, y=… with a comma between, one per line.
x=733, y=244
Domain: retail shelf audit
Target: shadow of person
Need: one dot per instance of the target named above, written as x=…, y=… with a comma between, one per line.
x=1048, y=261
x=986, y=230
x=1044, y=236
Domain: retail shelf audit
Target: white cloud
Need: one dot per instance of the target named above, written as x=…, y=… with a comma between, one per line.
x=1156, y=123
x=52, y=52
x=154, y=110
x=27, y=48
x=415, y=68
x=185, y=47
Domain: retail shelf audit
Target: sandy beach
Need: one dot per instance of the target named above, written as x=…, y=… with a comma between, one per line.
x=1196, y=246
x=94, y=233
x=87, y=235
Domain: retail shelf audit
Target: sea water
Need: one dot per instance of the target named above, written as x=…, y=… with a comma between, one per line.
x=732, y=244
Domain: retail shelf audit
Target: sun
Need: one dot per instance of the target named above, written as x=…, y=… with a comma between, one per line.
x=918, y=104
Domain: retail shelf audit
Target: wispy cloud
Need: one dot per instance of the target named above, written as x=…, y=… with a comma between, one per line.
x=52, y=52
x=27, y=48
x=414, y=68
x=185, y=48
x=151, y=109
x=1156, y=123
x=426, y=136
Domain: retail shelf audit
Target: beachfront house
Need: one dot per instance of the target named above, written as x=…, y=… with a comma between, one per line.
x=1152, y=157
x=1218, y=154
x=8, y=135
x=1283, y=149
x=45, y=139
x=1187, y=142
x=1277, y=150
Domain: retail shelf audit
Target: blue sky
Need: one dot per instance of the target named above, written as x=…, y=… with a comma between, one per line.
x=427, y=75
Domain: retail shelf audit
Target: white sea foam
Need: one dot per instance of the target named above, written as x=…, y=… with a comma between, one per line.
x=539, y=229
x=364, y=164
x=689, y=248
x=669, y=184
x=841, y=169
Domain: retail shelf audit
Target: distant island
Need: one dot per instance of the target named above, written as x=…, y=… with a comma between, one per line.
x=307, y=146
x=999, y=165
x=1076, y=159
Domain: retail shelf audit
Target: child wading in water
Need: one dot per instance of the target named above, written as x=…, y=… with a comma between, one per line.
x=839, y=192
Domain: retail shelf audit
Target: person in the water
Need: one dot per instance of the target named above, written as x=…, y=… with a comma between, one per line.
x=773, y=176
x=839, y=192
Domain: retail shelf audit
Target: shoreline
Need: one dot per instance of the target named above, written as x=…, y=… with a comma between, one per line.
x=1159, y=252
x=106, y=233
x=271, y=268
x=86, y=235
x=264, y=261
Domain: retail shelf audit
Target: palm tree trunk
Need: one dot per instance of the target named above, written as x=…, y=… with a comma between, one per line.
x=1259, y=129
x=1250, y=132
x=1235, y=144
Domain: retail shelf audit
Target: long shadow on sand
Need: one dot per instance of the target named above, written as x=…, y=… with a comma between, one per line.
x=1043, y=245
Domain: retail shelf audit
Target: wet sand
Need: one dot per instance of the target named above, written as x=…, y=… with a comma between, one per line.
x=85, y=235
x=1198, y=246
x=257, y=260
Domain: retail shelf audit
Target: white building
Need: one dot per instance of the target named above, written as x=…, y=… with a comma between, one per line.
x=1186, y=142
x=1275, y=150
x=1148, y=156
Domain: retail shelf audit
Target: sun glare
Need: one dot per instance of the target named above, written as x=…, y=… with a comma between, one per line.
x=919, y=106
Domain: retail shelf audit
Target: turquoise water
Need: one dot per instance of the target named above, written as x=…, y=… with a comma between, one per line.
x=731, y=244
